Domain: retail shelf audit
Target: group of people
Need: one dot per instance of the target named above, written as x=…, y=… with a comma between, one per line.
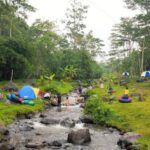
x=110, y=91
x=57, y=100
x=78, y=97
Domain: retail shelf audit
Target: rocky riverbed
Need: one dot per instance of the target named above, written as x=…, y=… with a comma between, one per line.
x=53, y=128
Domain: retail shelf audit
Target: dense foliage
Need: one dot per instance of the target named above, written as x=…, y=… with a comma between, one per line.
x=98, y=110
x=32, y=51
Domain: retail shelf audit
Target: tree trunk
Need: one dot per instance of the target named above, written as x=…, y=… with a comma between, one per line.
x=142, y=58
x=10, y=29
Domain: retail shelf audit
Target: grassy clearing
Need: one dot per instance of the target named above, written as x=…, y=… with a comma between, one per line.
x=8, y=112
x=133, y=116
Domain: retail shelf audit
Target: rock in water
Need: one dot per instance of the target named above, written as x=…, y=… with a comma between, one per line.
x=48, y=121
x=34, y=145
x=86, y=119
x=67, y=122
x=79, y=137
x=128, y=139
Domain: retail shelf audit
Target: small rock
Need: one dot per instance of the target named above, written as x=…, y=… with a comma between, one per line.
x=128, y=139
x=55, y=143
x=3, y=130
x=112, y=98
x=38, y=133
x=42, y=115
x=111, y=130
x=34, y=145
x=29, y=116
x=135, y=94
x=86, y=119
x=134, y=147
x=67, y=122
x=67, y=145
x=82, y=105
x=26, y=128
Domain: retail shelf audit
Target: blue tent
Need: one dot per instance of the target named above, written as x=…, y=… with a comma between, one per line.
x=27, y=92
x=145, y=74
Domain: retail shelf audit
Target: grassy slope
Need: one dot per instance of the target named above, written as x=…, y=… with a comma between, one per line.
x=8, y=112
x=133, y=116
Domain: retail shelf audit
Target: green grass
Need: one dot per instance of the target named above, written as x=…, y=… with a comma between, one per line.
x=8, y=112
x=133, y=116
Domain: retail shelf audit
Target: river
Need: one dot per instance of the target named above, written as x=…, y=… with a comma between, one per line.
x=29, y=134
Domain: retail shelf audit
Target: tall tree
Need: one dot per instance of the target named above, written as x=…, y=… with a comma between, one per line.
x=75, y=23
x=9, y=11
x=123, y=36
x=46, y=43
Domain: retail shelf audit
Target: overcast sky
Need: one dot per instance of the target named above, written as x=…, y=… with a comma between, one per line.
x=102, y=14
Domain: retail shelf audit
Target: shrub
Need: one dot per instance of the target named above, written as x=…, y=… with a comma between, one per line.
x=57, y=87
x=98, y=110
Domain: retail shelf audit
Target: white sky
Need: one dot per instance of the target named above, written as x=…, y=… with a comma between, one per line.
x=102, y=14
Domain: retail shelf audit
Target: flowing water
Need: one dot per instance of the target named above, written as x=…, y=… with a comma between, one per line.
x=31, y=130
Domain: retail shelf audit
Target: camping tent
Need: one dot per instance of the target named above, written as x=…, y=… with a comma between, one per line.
x=145, y=74
x=125, y=73
x=28, y=92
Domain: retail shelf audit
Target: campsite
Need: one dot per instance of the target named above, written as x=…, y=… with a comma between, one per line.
x=74, y=75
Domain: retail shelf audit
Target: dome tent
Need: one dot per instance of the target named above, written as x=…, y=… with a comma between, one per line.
x=125, y=73
x=145, y=74
x=28, y=92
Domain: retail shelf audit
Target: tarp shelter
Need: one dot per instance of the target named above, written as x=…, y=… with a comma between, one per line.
x=125, y=73
x=145, y=74
x=28, y=92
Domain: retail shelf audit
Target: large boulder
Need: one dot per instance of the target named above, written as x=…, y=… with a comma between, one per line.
x=6, y=146
x=79, y=137
x=128, y=139
x=3, y=130
x=67, y=122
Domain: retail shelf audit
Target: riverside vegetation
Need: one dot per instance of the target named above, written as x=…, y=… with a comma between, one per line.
x=124, y=116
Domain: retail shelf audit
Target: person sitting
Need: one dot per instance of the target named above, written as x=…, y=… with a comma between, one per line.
x=110, y=90
x=54, y=101
x=101, y=83
x=126, y=92
x=14, y=97
x=66, y=101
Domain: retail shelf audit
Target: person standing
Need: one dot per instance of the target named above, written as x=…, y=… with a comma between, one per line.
x=101, y=83
x=80, y=89
x=59, y=101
